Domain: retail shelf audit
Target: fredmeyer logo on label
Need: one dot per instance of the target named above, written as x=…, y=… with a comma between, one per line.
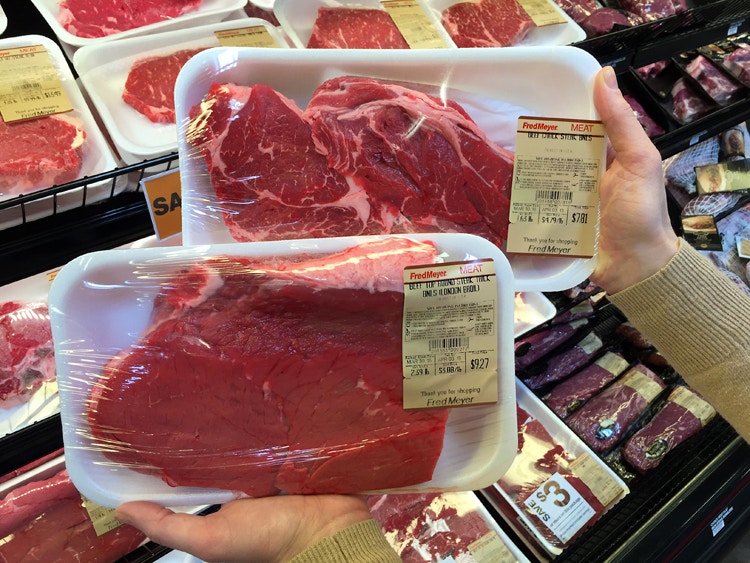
x=555, y=188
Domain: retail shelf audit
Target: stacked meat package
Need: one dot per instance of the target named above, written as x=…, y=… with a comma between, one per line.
x=268, y=346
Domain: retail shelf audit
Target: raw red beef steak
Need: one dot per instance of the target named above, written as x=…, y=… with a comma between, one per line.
x=365, y=157
x=355, y=28
x=39, y=153
x=27, y=357
x=149, y=87
x=273, y=376
x=84, y=18
x=487, y=23
x=46, y=520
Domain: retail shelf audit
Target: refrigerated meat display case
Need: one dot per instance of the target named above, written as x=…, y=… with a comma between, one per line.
x=687, y=509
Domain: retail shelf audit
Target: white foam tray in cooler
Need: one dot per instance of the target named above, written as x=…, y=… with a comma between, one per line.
x=547, y=35
x=297, y=17
x=97, y=156
x=103, y=70
x=495, y=86
x=208, y=11
x=93, y=291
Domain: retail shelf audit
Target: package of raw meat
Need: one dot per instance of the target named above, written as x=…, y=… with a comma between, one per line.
x=239, y=190
x=347, y=24
x=443, y=527
x=131, y=83
x=556, y=487
x=715, y=81
x=42, y=512
x=683, y=415
x=75, y=146
x=569, y=395
x=28, y=386
x=605, y=418
x=501, y=23
x=268, y=367
x=145, y=17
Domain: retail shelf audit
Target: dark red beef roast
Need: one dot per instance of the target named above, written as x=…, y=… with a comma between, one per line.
x=355, y=28
x=45, y=520
x=39, y=153
x=27, y=357
x=365, y=157
x=487, y=23
x=84, y=18
x=683, y=415
x=149, y=87
x=258, y=377
x=605, y=418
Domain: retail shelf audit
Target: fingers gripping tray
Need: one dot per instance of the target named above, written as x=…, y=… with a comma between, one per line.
x=193, y=375
x=340, y=141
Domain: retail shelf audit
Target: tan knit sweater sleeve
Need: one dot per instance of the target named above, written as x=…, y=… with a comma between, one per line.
x=700, y=321
x=363, y=542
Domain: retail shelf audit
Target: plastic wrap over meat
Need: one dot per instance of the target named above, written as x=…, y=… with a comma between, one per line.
x=713, y=80
x=46, y=520
x=533, y=347
x=487, y=23
x=27, y=358
x=312, y=348
x=563, y=364
x=364, y=157
x=340, y=27
x=682, y=416
x=105, y=17
x=605, y=418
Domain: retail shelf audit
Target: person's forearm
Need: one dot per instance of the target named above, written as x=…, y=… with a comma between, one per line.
x=700, y=321
x=359, y=543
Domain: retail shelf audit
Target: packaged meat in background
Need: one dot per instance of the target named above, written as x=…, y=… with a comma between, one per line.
x=556, y=486
x=542, y=342
x=718, y=84
x=607, y=416
x=679, y=169
x=650, y=126
x=505, y=23
x=355, y=24
x=28, y=386
x=53, y=149
x=442, y=527
x=487, y=23
x=652, y=10
x=321, y=322
x=77, y=23
x=683, y=415
x=607, y=20
x=131, y=82
x=571, y=394
x=689, y=102
x=563, y=364
x=42, y=513
x=262, y=12
x=738, y=63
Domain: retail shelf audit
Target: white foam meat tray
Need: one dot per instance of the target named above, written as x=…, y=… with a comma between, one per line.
x=103, y=70
x=495, y=86
x=98, y=308
x=97, y=154
x=208, y=11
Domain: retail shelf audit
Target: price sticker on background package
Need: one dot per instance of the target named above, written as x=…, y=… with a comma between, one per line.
x=414, y=24
x=450, y=334
x=29, y=84
x=254, y=36
x=555, y=190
